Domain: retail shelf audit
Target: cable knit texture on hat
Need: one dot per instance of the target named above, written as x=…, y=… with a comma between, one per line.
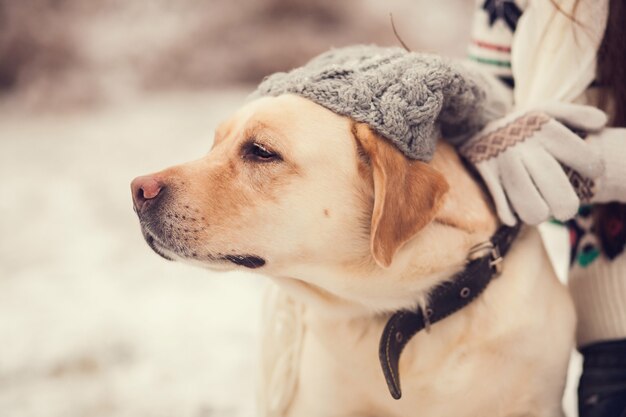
x=409, y=98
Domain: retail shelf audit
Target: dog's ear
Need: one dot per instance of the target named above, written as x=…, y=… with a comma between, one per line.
x=407, y=194
x=466, y=206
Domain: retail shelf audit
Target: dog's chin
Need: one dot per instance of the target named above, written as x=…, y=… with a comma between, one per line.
x=156, y=247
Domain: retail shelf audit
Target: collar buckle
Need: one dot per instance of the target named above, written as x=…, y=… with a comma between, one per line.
x=485, y=249
x=496, y=260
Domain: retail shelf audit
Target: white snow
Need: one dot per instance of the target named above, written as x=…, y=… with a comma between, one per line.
x=92, y=323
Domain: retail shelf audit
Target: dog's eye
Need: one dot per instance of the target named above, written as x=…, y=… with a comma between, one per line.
x=256, y=152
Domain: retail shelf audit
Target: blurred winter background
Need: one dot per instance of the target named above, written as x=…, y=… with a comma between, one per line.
x=93, y=93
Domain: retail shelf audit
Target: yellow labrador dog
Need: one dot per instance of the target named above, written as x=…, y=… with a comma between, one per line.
x=352, y=231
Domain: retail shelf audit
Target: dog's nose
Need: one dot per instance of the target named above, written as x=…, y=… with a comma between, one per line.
x=144, y=189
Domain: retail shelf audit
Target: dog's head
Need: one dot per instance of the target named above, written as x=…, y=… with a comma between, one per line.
x=299, y=192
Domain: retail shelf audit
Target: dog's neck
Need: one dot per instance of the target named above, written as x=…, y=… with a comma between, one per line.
x=435, y=254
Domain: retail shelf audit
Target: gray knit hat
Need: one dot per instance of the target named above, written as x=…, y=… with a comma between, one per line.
x=409, y=98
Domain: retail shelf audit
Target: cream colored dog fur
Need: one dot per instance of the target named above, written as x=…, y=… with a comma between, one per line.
x=351, y=231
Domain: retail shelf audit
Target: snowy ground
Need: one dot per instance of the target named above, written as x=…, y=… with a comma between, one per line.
x=92, y=323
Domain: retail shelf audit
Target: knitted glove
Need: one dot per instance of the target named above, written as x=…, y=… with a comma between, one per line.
x=518, y=158
x=610, y=143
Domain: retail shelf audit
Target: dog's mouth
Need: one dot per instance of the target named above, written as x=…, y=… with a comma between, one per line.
x=162, y=249
x=248, y=261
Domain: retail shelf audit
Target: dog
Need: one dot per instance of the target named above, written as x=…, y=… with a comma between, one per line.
x=351, y=231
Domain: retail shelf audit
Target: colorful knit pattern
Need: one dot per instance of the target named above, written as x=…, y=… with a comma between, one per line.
x=595, y=233
x=584, y=245
x=611, y=228
x=490, y=145
x=506, y=10
x=492, y=34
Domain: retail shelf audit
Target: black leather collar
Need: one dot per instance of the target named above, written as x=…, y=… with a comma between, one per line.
x=484, y=263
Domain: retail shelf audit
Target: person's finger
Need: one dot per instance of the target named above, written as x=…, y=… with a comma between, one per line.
x=577, y=116
x=572, y=150
x=521, y=190
x=553, y=184
x=489, y=174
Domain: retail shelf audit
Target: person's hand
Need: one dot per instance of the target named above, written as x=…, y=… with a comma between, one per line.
x=610, y=143
x=519, y=157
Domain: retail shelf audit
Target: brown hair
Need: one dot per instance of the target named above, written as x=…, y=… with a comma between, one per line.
x=612, y=64
x=610, y=218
